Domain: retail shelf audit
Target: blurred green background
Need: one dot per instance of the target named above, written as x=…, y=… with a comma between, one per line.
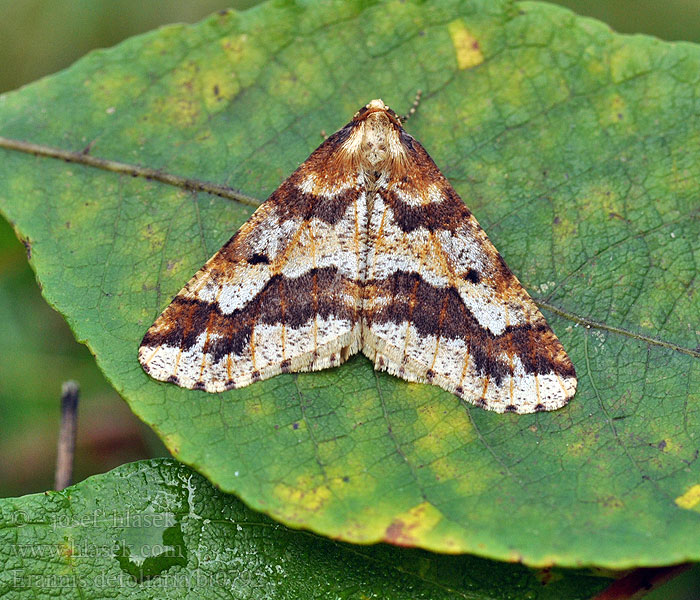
x=38, y=38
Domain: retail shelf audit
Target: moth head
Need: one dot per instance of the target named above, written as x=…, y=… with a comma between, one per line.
x=377, y=106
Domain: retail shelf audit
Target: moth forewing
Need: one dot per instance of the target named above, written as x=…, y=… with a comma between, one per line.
x=365, y=247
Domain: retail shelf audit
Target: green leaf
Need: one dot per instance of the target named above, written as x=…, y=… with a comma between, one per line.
x=577, y=150
x=156, y=527
x=38, y=353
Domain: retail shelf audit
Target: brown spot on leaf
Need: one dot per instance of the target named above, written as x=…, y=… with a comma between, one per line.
x=399, y=533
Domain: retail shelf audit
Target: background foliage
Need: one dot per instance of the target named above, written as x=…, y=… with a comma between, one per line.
x=39, y=38
x=156, y=529
x=26, y=359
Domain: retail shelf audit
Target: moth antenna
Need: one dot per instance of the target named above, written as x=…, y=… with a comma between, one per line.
x=413, y=109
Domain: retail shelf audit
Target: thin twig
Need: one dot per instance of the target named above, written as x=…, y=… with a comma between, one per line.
x=85, y=158
x=640, y=582
x=590, y=324
x=66, y=439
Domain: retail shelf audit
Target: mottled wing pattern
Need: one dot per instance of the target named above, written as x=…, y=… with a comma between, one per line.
x=281, y=295
x=442, y=307
x=366, y=246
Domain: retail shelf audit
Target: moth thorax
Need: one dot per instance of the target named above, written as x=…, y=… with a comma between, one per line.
x=376, y=145
x=380, y=146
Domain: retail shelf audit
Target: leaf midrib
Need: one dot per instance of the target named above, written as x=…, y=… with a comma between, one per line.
x=191, y=184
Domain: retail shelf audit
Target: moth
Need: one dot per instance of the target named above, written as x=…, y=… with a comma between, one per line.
x=367, y=248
